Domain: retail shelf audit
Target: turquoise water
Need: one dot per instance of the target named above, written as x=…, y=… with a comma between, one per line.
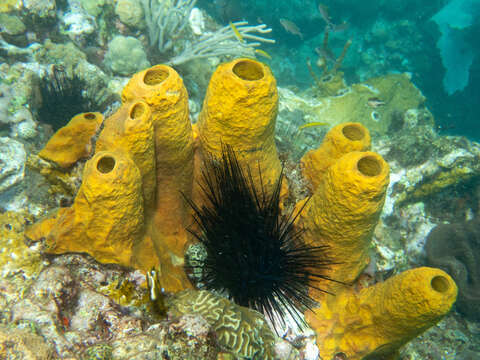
x=436, y=41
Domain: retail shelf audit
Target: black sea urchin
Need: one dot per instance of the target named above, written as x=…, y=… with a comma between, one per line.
x=254, y=253
x=62, y=98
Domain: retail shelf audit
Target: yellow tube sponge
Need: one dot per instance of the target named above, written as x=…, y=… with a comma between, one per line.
x=379, y=319
x=130, y=130
x=240, y=110
x=162, y=89
x=134, y=214
x=106, y=218
x=73, y=141
x=341, y=139
x=344, y=211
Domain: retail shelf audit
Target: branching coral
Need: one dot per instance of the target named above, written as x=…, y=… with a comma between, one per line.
x=229, y=40
x=167, y=22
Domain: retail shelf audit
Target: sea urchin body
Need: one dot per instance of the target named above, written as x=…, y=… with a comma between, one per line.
x=62, y=98
x=254, y=253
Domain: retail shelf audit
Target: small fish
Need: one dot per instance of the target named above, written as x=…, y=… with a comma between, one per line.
x=323, y=9
x=157, y=296
x=327, y=54
x=375, y=102
x=315, y=123
x=340, y=27
x=263, y=53
x=291, y=27
x=236, y=32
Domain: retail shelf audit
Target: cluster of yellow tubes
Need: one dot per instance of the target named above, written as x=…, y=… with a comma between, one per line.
x=130, y=209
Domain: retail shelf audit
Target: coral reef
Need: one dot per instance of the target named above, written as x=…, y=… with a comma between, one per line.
x=412, y=130
x=90, y=310
x=41, y=9
x=131, y=204
x=130, y=12
x=65, y=308
x=168, y=27
x=132, y=136
x=18, y=343
x=447, y=161
x=371, y=103
x=61, y=184
x=418, y=157
x=15, y=256
x=455, y=248
x=119, y=158
x=62, y=96
x=125, y=56
x=13, y=29
x=331, y=80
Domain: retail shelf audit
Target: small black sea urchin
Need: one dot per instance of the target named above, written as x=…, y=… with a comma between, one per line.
x=254, y=253
x=62, y=98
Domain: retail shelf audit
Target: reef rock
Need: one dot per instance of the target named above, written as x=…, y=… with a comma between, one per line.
x=12, y=167
x=81, y=308
x=372, y=103
x=23, y=344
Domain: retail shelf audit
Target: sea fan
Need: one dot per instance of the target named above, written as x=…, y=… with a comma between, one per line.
x=254, y=253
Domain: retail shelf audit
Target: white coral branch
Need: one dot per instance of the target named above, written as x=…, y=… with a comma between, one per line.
x=166, y=21
x=225, y=42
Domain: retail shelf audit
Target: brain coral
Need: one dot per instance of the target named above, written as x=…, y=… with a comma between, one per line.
x=239, y=329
